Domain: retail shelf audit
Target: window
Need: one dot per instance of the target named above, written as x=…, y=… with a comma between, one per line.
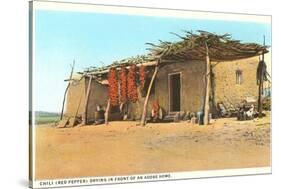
x=238, y=77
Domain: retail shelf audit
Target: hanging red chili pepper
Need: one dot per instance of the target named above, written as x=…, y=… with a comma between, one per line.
x=132, y=85
x=155, y=110
x=113, y=86
x=123, y=84
x=142, y=76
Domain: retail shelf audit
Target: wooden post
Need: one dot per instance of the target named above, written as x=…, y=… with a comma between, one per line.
x=107, y=112
x=260, y=98
x=208, y=87
x=143, y=116
x=261, y=78
x=65, y=92
x=87, y=101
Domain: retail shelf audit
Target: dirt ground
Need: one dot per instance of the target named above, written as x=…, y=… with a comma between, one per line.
x=122, y=148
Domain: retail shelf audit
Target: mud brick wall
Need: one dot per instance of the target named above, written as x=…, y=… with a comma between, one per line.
x=98, y=96
x=135, y=109
x=225, y=88
x=192, y=85
x=75, y=92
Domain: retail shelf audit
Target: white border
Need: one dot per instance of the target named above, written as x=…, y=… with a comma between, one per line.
x=85, y=181
x=145, y=11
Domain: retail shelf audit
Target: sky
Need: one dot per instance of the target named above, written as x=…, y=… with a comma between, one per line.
x=97, y=39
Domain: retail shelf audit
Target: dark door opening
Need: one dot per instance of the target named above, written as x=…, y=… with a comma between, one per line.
x=175, y=92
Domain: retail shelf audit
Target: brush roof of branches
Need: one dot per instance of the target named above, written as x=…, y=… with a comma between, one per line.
x=192, y=46
x=139, y=59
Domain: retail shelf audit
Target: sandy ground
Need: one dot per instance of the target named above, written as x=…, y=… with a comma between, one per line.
x=123, y=148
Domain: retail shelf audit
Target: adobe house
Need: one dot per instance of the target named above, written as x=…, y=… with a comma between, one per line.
x=191, y=75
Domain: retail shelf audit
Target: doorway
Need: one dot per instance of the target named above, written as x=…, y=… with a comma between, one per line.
x=175, y=92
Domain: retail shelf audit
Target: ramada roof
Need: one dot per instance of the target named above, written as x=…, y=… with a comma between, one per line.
x=192, y=46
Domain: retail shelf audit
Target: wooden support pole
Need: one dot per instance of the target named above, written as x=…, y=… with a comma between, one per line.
x=208, y=87
x=84, y=122
x=261, y=79
x=107, y=112
x=143, y=116
x=65, y=92
x=260, y=97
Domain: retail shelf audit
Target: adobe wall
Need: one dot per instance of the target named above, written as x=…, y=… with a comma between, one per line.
x=192, y=83
x=192, y=92
x=135, y=109
x=225, y=88
x=98, y=96
x=75, y=94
